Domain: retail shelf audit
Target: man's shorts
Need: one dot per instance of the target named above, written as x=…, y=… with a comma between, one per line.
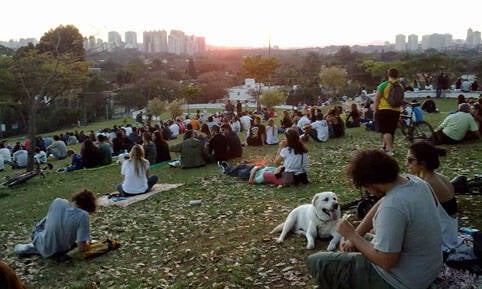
x=386, y=120
x=337, y=270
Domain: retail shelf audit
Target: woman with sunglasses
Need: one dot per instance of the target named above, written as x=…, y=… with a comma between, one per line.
x=422, y=160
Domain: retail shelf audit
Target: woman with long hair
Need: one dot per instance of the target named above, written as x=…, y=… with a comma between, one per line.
x=293, y=154
x=149, y=147
x=135, y=172
x=271, y=133
x=90, y=154
x=204, y=134
x=162, y=147
x=422, y=160
x=354, y=117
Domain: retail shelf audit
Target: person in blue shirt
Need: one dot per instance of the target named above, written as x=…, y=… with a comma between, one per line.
x=76, y=164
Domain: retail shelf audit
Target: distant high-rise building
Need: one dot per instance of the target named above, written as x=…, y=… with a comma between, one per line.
x=436, y=41
x=412, y=43
x=177, y=42
x=92, y=43
x=400, y=44
x=473, y=38
x=114, y=40
x=155, y=41
x=131, y=39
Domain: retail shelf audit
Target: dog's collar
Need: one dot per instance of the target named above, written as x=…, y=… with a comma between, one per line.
x=319, y=218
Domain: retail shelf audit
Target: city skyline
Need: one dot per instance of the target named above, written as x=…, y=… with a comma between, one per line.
x=250, y=23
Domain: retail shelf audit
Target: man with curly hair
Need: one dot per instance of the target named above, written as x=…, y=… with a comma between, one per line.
x=405, y=250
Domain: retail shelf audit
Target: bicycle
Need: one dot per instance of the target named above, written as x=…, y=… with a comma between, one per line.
x=415, y=130
x=23, y=177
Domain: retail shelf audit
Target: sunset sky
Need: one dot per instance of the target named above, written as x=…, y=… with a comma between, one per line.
x=247, y=23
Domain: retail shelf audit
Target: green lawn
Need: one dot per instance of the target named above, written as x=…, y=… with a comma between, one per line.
x=222, y=243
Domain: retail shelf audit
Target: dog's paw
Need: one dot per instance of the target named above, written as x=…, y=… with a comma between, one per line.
x=331, y=247
x=310, y=247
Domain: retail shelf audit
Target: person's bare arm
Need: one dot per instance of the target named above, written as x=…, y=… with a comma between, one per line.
x=252, y=175
x=364, y=227
x=376, y=102
x=385, y=260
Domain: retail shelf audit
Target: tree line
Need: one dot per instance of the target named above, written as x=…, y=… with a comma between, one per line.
x=56, y=83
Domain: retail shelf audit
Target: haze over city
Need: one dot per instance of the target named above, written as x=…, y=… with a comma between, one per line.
x=248, y=23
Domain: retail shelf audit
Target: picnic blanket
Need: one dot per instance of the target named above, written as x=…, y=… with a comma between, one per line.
x=105, y=201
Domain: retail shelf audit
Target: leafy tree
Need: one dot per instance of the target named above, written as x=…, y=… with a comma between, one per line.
x=272, y=97
x=261, y=69
x=131, y=97
x=61, y=41
x=175, y=107
x=213, y=86
x=95, y=102
x=156, y=106
x=333, y=78
x=188, y=92
x=191, y=69
x=43, y=77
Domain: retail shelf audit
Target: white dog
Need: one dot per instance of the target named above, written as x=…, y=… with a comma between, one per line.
x=316, y=219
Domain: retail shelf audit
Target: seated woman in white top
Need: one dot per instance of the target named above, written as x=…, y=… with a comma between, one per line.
x=294, y=156
x=135, y=172
x=422, y=160
x=271, y=133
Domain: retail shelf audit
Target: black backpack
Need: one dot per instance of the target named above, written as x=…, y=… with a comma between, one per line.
x=396, y=94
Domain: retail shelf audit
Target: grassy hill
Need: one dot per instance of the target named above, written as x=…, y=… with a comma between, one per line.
x=222, y=243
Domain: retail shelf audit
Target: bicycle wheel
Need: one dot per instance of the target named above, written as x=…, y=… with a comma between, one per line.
x=422, y=131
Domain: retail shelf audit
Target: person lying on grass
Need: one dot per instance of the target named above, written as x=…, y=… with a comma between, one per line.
x=253, y=173
x=65, y=226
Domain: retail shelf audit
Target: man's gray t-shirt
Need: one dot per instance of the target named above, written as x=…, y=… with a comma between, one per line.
x=65, y=225
x=407, y=221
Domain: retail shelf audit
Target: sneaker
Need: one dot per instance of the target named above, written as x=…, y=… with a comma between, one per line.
x=390, y=153
x=25, y=250
x=175, y=164
x=223, y=166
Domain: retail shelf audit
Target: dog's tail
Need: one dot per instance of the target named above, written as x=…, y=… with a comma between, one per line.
x=278, y=228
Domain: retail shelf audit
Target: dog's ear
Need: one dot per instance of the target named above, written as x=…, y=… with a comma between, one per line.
x=315, y=198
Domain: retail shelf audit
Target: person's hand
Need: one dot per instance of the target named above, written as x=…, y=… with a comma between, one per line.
x=345, y=228
x=347, y=246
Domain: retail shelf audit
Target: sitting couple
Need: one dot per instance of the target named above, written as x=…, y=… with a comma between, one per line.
x=254, y=174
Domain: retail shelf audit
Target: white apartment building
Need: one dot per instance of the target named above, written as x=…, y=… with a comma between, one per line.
x=436, y=41
x=412, y=43
x=177, y=42
x=131, y=40
x=155, y=41
x=400, y=43
x=114, y=40
x=473, y=38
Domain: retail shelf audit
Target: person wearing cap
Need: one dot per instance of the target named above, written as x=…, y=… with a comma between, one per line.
x=457, y=127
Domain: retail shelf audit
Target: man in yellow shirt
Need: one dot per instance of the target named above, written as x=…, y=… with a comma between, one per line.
x=386, y=116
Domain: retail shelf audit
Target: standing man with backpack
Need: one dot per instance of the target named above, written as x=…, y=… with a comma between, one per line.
x=388, y=100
